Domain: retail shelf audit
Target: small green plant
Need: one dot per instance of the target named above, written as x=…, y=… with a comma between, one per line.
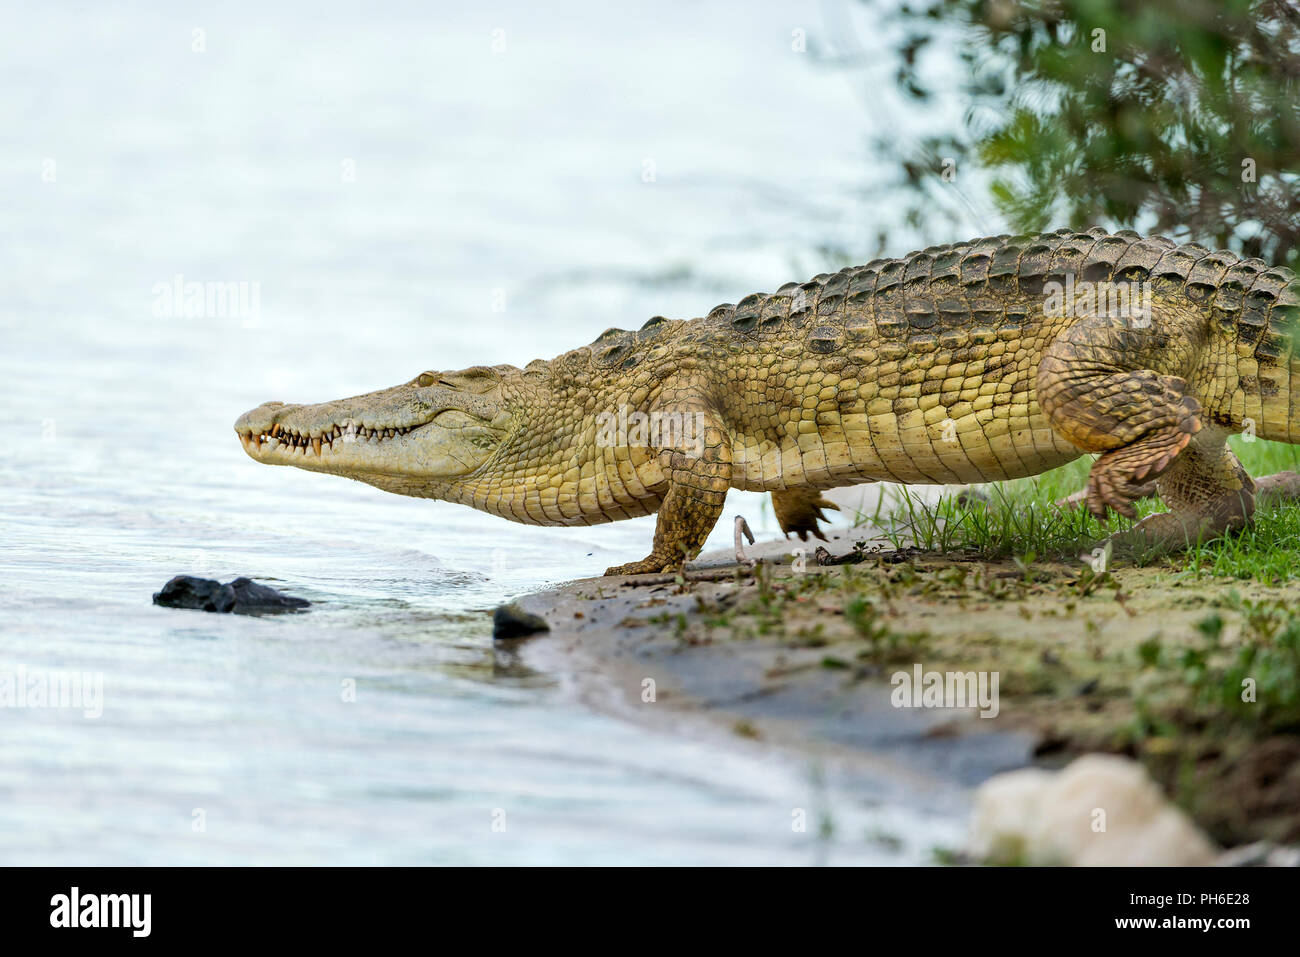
x=1262, y=681
x=883, y=644
x=865, y=620
x=1257, y=680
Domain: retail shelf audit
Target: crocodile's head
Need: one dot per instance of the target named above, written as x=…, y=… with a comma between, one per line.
x=418, y=438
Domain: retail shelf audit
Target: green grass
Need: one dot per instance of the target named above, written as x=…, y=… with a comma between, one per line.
x=1268, y=551
x=1021, y=522
x=1264, y=458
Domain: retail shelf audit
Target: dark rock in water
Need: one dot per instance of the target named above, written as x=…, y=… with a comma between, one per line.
x=240, y=597
x=205, y=594
x=511, y=621
x=251, y=598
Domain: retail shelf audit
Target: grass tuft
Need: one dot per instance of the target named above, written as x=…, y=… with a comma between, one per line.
x=1020, y=519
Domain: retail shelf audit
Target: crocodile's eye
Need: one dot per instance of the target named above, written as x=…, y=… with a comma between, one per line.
x=426, y=379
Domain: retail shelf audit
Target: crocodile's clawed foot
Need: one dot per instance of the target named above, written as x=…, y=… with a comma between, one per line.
x=1120, y=477
x=1209, y=495
x=652, y=565
x=1074, y=500
x=799, y=511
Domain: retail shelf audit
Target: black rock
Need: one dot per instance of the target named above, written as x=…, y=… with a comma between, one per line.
x=205, y=594
x=240, y=597
x=252, y=597
x=511, y=621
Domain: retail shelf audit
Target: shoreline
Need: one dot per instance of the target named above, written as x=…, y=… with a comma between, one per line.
x=782, y=658
x=608, y=636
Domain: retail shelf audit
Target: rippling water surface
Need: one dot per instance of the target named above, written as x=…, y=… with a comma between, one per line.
x=405, y=197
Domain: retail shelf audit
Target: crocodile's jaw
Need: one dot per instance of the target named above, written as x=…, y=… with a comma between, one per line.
x=415, y=439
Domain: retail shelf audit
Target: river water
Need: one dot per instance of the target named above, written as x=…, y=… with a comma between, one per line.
x=398, y=188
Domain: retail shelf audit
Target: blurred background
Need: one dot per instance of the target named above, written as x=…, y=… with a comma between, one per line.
x=406, y=186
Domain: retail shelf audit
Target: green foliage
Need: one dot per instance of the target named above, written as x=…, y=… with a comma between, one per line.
x=1257, y=679
x=1178, y=117
x=1264, y=458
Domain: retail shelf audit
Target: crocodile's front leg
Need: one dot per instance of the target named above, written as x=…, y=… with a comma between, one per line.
x=798, y=510
x=698, y=471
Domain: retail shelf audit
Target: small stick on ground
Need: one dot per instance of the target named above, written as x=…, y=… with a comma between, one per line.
x=823, y=557
x=742, y=527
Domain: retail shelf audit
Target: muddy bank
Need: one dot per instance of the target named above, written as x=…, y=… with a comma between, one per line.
x=1144, y=662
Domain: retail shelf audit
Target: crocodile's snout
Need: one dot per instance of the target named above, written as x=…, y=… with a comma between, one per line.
x=259, y=420
x=410, y=430
x=277, y=433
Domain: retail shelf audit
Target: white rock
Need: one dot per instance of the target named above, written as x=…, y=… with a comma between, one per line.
x=1102, y=810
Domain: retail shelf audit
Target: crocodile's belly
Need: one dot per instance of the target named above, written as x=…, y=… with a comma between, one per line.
x=901, y=442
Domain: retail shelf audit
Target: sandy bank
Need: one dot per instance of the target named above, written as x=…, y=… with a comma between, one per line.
x=806, y=658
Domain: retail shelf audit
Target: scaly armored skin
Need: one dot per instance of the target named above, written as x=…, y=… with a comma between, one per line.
x=960, y=363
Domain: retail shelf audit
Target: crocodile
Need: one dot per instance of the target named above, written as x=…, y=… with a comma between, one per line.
x=972, y=362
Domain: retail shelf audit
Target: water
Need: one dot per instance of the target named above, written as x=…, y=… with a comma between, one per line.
x=404, y=198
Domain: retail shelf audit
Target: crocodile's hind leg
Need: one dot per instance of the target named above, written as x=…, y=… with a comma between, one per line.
x=1147, y=426
x=799, y=510
x=1098, y=399
x=1208, y=493
x=697, y=467
x=1139, y=421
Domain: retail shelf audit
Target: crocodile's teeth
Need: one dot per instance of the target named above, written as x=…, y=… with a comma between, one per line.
x=315, y=444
